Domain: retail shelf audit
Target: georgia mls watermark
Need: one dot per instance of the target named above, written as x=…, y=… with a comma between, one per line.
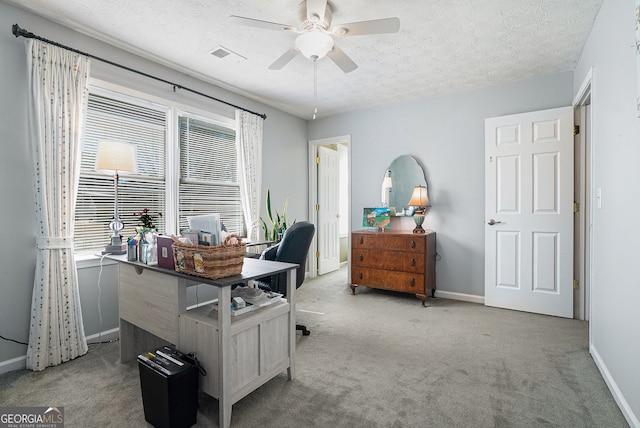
x=31, y=417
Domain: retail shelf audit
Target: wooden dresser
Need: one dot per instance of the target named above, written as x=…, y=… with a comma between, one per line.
x=394, y=260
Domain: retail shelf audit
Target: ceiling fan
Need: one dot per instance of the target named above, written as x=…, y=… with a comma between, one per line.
x=316, y=34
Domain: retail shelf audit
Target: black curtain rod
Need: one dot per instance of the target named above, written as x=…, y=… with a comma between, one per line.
x=17, y=31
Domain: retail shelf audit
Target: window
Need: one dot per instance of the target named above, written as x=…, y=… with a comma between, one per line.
x=206, y=181
x=208, y=166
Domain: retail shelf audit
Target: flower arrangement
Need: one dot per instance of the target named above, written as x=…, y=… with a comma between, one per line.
x=146, y=219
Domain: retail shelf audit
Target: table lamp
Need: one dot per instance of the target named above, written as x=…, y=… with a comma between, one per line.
x=115, y=156
x=420, y=200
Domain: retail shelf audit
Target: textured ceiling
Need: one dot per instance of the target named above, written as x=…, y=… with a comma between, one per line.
x=443, y=46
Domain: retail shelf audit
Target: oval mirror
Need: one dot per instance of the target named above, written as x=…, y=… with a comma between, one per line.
x=399, y=179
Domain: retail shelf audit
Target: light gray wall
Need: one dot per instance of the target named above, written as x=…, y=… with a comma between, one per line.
x=615, y=314
x=284, y=159
x=446, y=136
x=17, y=254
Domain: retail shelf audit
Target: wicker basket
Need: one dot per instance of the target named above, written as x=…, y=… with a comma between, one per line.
x=209, y=262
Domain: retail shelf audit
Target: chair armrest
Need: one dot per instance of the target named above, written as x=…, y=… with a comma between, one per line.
x=269, y=253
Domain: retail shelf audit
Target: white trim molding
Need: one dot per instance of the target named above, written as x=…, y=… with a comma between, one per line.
x=624, y=406
x=18, y=363
x=460, y=296
x=104, y=336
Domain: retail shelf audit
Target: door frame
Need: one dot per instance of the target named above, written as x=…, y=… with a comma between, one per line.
x=313, y=193
x=585, y=198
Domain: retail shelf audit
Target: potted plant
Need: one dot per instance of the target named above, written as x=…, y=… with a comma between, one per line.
x=146, y=237
x=277, y=224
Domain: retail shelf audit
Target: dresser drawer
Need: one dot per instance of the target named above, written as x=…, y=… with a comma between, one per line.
x=390, y=242
x=388, y=280
x=391, y=260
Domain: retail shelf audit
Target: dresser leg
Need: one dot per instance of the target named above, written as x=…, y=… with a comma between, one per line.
x=353, y=288
x=423, y=298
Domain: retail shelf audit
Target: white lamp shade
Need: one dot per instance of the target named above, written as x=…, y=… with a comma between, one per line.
x=314, y=44
x=116, y=156
x=419, y=197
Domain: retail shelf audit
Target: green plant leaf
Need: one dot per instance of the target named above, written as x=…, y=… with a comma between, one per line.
x=269, y=206
x=266, y=230
x=284, y=212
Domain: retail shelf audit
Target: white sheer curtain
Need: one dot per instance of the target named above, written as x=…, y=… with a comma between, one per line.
x=57, y=104
x=249, y=148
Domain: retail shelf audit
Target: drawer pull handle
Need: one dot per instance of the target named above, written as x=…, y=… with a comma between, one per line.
x=413, y=262
x=412, y=283
x=361, y=240
x=361, y=257
x=360, y=275
x=413, y=244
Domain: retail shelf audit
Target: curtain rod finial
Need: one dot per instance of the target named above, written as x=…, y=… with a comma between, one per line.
x=17, y=31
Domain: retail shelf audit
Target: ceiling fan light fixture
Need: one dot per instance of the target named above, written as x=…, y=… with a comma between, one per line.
x=314, y=44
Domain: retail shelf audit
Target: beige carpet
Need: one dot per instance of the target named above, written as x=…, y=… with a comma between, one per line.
x=377, y=359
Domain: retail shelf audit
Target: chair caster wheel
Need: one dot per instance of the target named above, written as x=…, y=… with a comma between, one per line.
x=306, y=332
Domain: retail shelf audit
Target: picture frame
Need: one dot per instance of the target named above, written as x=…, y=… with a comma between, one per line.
x=376, y=217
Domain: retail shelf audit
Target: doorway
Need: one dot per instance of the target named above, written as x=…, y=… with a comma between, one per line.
x=331, y=238
x=583, y=195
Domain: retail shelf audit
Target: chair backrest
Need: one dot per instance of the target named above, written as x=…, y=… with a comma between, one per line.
x=294, y=248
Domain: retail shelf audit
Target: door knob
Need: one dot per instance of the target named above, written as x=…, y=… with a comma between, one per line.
x=491, y=222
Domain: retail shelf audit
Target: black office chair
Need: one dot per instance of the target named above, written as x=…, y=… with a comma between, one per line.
x=293, y=248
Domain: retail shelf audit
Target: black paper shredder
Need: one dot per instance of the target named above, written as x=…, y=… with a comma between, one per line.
x=169, y=383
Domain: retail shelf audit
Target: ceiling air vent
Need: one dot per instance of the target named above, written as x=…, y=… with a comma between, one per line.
x=226, y=54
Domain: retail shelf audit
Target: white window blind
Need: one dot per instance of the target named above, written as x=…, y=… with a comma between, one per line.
x=111, y=119
x=209, y=173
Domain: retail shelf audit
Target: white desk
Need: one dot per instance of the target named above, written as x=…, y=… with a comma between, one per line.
x=239, y=353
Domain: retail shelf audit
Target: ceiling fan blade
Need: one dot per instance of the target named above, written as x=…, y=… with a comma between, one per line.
x=284, y=59
x=315, y=10
x=341, y=59
x=250, y=22
x=376, y=26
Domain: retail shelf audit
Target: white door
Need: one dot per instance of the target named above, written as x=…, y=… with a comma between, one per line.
x=328, y=210
x=529, y=212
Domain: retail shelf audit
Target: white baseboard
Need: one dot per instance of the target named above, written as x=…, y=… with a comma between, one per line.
x=623, y=404
x=460, y=296
x=104, y=336
x=18, y=363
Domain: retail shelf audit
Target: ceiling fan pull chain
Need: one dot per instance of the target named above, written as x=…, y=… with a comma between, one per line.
x=315, y=88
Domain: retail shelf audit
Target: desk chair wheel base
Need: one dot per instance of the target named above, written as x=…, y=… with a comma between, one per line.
x=305, y=331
